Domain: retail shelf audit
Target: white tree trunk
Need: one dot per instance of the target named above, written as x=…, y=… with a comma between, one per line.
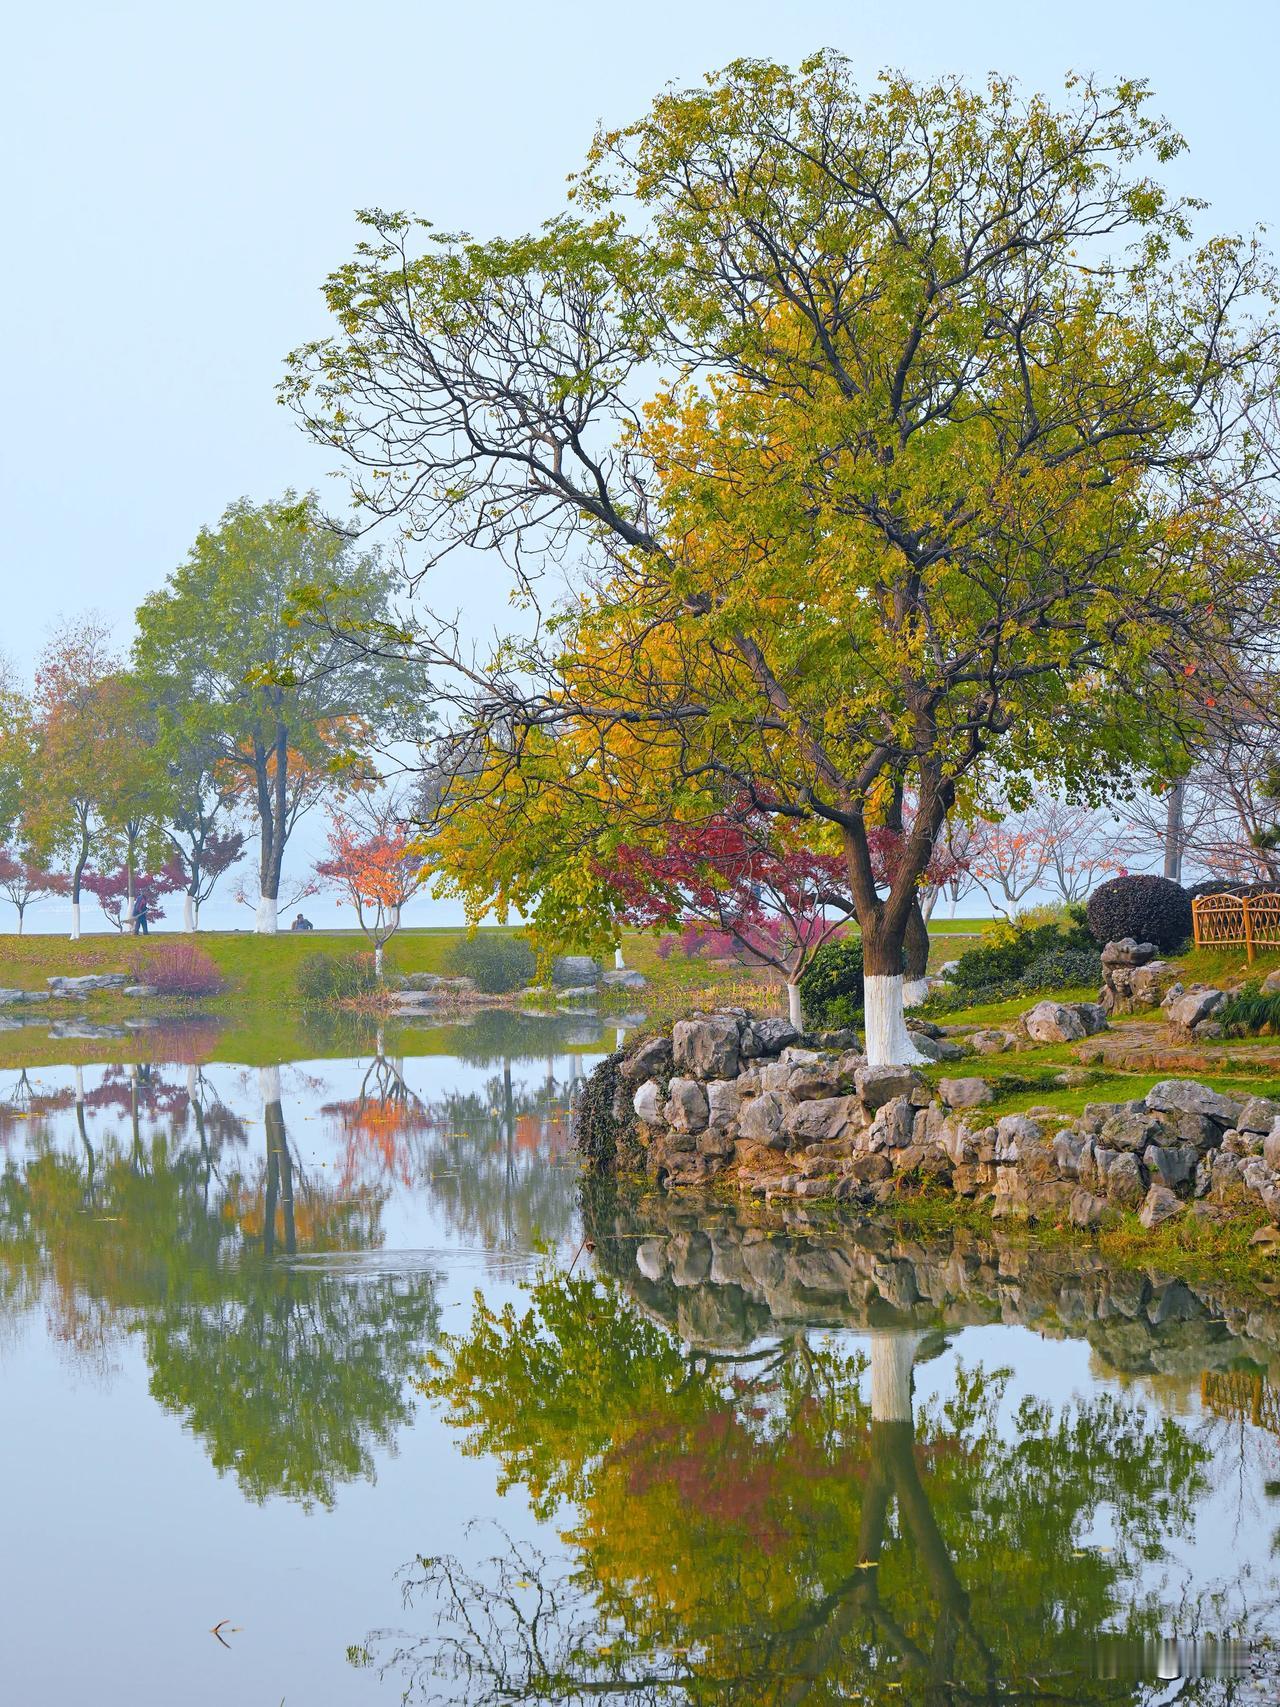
x=619, y=959
x=269, y=1084
x=928, y=901
x=20, y=913
x=377, y=960
x=266, y=923
x=888, y=1041
x=79, y=1087
x=892, y=1359
x=75, y=921
x=914, y=991
x=188, y=913
x=952, y=904
x=795, y=1008
x=192, y=1083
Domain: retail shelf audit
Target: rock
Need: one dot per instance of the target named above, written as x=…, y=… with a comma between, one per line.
x=689, y=1255
x=687, y=1109
x=1271, y=983
x=624, y=978
x=823, y=1119
x=707, y=1047
x=937, y=1048
x=1186, y=1096
x=1012, y=1131
x=1267, y=1238
x=877, y=1086
x=992, y=1042
x=651, y=1259
x=768, y=1036
x=577, y=993
x=86, y=983
x=716, y=1144
x=1092, y=1015
x=724, y=1099
x=1125, y=1184
x=1053, y=1022
x=1259, y=1114
x=568, y=970
x=965, y=1093
x=1071, y=1152
x=1271, y=1148
x=761, y=1119
x=1158, y=1206
x=1133, y=1132
x=141, y=990
x=893, y=1125
x=812, y=1079
x=649, y=1102
x=652, y=1060
x=867, y=1167
x=1085, y=1209
x=416, y=981
x=1174, y=1163
x=1147, y=984
x=1186, y=1012
x=1125, y=951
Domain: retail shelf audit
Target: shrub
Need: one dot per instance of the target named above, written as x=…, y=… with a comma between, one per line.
x=1223, y=886
x=831, y=985
x=1152, y=909
x=323, y=978
x=1063, y=969
x=1248, y=1011
x=665, y=945
x=1012, y=950
x=497, y=961
x=179, y=969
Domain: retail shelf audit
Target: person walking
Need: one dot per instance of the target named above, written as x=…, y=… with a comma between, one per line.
x=139, y=915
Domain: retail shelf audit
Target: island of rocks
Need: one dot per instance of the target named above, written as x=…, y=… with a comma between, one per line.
x=748, y=1102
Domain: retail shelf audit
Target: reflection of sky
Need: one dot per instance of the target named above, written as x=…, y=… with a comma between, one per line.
x=110, y=1493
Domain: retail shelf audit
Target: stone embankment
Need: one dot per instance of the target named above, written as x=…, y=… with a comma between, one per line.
x=747, y=1102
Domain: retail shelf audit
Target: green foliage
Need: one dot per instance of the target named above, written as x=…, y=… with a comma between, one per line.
x=1150, y=909
x=1002, y=959
x=498, y=961
x=831, y=985
x=1249, y=1011
x=326, y=978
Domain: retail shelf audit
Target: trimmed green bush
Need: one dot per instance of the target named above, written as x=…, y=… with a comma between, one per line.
x=325, y=978
x=1063, y=968
x=831, y=985
x=497, y=961
x=1152, y=909
x=1006, y=959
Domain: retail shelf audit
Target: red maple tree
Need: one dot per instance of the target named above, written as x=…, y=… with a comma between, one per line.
x=373, y=866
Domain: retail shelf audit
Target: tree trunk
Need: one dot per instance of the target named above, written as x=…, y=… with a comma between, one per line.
x=795, y=1007
x=21, y=906
x=188, y=913
x=377, y=960
x=272, y=801
x=82, y=859
x=1173, y=832
x=915, y=983
x=892, y=1359
x=619, y=959
x=75, y=921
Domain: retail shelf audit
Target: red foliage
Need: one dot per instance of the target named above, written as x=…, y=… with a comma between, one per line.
x=112, y=890
x=21, y=882
x=179, y=968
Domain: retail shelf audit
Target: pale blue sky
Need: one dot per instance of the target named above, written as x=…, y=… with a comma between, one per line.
x=179, y=181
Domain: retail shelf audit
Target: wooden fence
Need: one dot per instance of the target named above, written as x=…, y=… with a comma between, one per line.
x=1226, y=921
x=1239, y=1393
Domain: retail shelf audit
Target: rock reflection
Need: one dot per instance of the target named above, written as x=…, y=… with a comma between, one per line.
x=753, y=1511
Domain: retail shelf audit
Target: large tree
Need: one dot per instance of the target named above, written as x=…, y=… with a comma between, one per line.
x=938, y=484
x=240, y=674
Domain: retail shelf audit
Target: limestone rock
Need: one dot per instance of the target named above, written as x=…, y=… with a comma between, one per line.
x=768, y=1037
x=648, y=1103
x=652, y=1060
x=86, y=983
x=1186, y=1096
x=822, y=1119
x=568, y=970
x=687, y=1109
x=965, y=1093
x=811, y=1080
x=878, y=1085
x=1053, y=1022
x=1125, y=1184
x=1187, y=1012
x=1133, y=1132
x=1259, y=1114
x=992, y=1041
x=707, y=1047
x=1174, y=1164
x=624, y=978
x=140, y=990
x=1125, y=951
x=937, y=1048
x=724, y=1099
x=1158, y=1206
x=761, y=1119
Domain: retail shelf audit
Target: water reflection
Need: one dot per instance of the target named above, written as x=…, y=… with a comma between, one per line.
x=769, y=1514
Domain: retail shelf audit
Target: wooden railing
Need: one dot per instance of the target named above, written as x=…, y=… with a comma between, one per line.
x=1227, y=921
x=1239, y=1393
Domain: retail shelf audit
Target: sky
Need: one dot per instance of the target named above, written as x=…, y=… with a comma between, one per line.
x=178, y=181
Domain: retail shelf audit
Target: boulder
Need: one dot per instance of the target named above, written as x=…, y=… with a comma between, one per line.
x=141, y=990
x=85, y=983
x=937, y=1048
x=1259, y=1114
x=652, y=1060
x=1186, y=1013
x=877, y=1086
x=992, y=1042
x=568, y=970
x=1186, y=1096
x=724, y=1099
x=1085, y=1209
x=1133, y=1132
x=1125, y=951
x=1147, y=984
x=1158, y=1206
x=707, y=1047
x=687, y=1109
x=760, y=1120
x=1125, y=1183
x=576, y=993
x=1271, y=983
x=649, y=1103
x=768, y=1037
x=624, y=978
x=1271, y=1148
x=823, y=1119
x=812, y=1079
x=1092, y=1015
x=965, y=1093
x=1053, y=1022
x=1173, y=1164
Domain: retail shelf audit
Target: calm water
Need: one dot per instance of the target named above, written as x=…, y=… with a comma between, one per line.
x=330, y=1384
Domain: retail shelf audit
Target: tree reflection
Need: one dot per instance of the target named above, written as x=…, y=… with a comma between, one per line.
x=290, y=1372
x=782, y=1523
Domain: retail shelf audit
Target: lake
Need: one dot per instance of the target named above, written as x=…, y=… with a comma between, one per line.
x=335, y=1382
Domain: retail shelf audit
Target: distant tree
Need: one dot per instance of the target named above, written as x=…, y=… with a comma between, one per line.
x=23, y=882
x=374, y=865
x=237, y=655
x=116, y=889
x=202, y=795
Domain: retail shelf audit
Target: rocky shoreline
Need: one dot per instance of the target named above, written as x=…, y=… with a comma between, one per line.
x=752, y=1105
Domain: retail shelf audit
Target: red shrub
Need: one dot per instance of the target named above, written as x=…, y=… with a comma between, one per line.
x=179, y=969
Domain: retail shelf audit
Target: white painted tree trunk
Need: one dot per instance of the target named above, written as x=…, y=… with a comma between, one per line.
x=79, y=1087
x=952, y=904
x=619, y=959
x=795, y=1008
x=269, y=1085
x=21, y=911
x=192, y=1083
x=892, y=1359
x=914, y=991
x=377, y=960
x=928, y=901
x=266, y=923
x=888, y=1042
x=188, y=913
x=75, y=921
